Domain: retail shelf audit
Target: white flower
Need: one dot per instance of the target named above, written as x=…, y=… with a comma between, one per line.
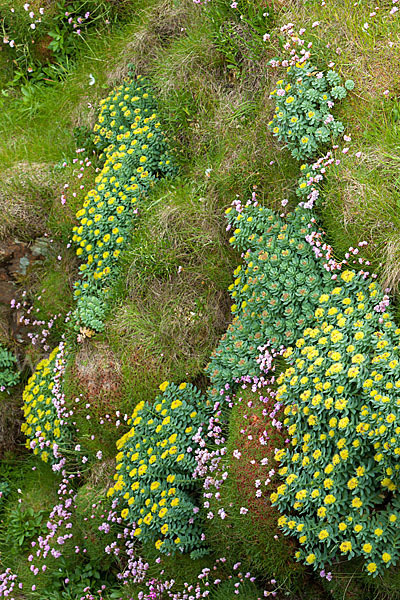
x=92, y=80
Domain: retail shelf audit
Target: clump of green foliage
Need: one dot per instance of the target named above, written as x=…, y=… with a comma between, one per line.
x=135, y=155
x=238, y=33
x=91, y=311
x=42, y=424
x=339, y=485
x=155, y=466
x=4, y=490
x=275, y=292
x=9, y=376
x=304, y=100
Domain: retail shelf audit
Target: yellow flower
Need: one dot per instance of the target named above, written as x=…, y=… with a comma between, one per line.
x=148, y=519
x=329, y=499
x=310, y=559
x=345, y=547
x=164, y=386
x=323, y=534
x=175, y=404
x=124, y=513
x=386, y=557
x=164, y=529
x=352, y=483
x=347, y=276
x=371, y=567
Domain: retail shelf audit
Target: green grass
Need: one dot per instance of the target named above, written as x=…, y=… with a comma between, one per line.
x=37, y=493
x=362, y=197
x=26, y=132
x=170, y=304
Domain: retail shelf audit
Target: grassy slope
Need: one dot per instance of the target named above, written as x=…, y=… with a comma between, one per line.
x=216, y=118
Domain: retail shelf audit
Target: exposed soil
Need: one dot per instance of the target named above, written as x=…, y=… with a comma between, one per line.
x=15, y=258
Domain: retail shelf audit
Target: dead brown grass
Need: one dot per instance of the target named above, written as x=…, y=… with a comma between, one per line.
x=162, y=24
x=98, y=374
x=10, y=423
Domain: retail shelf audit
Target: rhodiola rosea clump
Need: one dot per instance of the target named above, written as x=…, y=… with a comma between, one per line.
x=304, y=100
x=44, y=423
x=134, y=152
x=341, y=472
x=275, y=291
x=155, y=464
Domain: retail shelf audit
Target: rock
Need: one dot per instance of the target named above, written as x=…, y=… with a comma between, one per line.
x=7, y=290
x=40, y=247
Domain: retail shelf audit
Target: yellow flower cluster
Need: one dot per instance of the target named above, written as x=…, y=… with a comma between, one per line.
x=342, y=411
x=135, y=154
x=41, y=425
x=154, y=468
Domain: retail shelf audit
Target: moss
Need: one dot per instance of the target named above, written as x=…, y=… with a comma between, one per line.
x=93, y=385
x=255, y=536
x=92, y=508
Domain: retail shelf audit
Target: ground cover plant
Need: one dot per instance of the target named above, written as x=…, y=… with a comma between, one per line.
x=266, y=463
x=8, y=373
x=130, y=139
